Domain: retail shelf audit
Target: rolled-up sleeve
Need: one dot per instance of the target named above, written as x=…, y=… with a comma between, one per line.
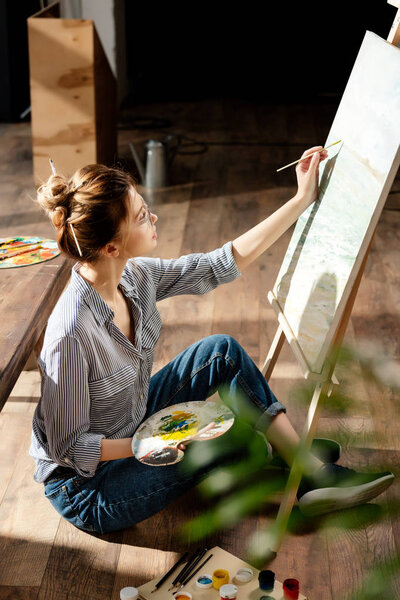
x=193, y=273
x=65, y=408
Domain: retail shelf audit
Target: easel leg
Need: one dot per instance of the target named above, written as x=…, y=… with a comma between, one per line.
x=273, y=353
x=322, y=389
x=285, y=509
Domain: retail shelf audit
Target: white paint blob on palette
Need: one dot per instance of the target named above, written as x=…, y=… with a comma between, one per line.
x=317, y=273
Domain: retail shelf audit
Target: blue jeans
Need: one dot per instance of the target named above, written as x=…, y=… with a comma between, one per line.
x=124, y=491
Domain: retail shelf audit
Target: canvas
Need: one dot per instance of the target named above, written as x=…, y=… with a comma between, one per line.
x=332, y=235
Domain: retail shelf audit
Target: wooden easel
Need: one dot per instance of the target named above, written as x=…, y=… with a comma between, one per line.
x=324, y=380
x=394, y=33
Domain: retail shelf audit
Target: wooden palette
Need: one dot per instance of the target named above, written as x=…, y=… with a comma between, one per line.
x=14, y=255
x=156, y=441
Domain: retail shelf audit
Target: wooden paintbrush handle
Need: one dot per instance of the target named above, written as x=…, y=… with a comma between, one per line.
x=17, y=252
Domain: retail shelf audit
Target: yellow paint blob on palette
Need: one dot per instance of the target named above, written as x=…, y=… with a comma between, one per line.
x=155, y=441
x=178, y=425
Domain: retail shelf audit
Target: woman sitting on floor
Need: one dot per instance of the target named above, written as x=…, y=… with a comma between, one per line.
x=98, y=353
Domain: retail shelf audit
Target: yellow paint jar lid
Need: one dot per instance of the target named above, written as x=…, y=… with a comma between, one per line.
x=220, y=577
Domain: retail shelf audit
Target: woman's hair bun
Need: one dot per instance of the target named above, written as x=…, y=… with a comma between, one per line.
x=88, y=209
x=54, y=196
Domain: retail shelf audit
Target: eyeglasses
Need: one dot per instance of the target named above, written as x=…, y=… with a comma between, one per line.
x=147, y=217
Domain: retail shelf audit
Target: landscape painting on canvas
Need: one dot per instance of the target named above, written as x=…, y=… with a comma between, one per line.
x=325, y=250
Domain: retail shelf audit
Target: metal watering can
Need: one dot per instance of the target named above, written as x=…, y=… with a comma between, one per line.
x=158, y=158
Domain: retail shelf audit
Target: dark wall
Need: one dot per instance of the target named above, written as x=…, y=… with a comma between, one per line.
x=269, y=51
x=14, y=60
x=291, y=51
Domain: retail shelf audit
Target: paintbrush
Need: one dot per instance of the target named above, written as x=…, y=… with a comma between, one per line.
x=308, y=156
x=172, y=569
x=18, y=244
x=188, y=574
x=19, y=251
x=53, y=168
x=9, y=241
x=198, y=434
x=189, y=565
x=192, y=575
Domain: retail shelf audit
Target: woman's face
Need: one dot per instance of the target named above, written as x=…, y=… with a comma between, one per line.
x=138, y=232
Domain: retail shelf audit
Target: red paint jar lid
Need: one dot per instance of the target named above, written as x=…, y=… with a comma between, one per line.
x=291, y=589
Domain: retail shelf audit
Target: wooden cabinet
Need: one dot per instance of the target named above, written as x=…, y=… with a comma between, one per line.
x=73, y=95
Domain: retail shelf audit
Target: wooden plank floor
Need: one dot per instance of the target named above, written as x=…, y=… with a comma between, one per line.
x=214, y=197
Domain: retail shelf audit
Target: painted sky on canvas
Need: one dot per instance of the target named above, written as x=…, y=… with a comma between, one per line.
x=328, y=235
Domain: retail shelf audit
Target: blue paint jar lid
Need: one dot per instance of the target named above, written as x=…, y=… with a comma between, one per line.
x=266, y=580
x=204, y=581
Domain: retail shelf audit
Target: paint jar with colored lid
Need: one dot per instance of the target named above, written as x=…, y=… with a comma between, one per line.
x=266, y=580
x=183, y=596
x=244, y=575
x=291, y=589
x=220, y=577
x=228, y=591
x=129, y=593
x=204, y=581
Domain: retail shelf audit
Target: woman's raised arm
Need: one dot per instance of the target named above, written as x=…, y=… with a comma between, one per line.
x=250, y=245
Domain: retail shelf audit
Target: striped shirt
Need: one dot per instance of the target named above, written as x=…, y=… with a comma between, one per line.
x=95, y=381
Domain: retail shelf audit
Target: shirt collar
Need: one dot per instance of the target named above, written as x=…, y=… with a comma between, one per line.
x=128, y=285
x=90, y=296
x=93, y=299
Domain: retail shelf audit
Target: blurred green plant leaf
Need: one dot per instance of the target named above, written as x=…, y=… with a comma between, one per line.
x=231, y=509
x=241, y=479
